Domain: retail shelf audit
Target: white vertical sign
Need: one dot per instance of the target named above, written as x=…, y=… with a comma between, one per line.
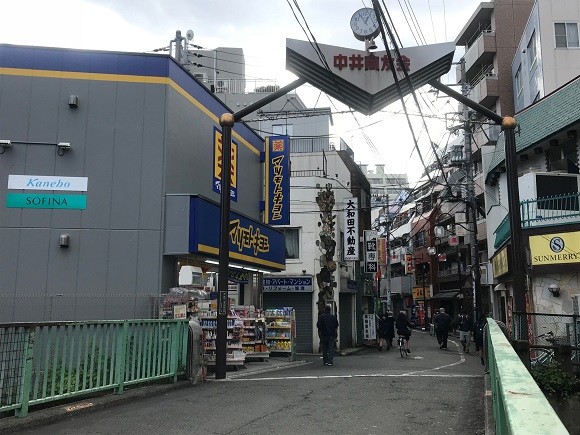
x=371, y=263
x=351, y=229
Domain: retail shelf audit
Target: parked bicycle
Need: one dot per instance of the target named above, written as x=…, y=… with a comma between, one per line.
x=541, y=356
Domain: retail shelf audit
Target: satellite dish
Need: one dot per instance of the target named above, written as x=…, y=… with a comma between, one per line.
x=189, y=35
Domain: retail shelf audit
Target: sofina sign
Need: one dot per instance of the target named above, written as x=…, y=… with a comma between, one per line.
x=46, y=200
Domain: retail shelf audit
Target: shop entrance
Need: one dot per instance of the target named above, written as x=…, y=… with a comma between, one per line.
x=345, y=319
x=302, y=304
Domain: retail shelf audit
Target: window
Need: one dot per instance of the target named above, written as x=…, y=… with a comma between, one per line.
x=566, y=35
x=531, y=50
x=283, y=129
x=292, y=238
x=519, y=84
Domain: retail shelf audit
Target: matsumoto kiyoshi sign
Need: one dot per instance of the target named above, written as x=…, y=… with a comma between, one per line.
x=557, y=248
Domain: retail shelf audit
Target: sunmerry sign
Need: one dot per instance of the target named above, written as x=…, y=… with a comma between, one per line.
x=557, y=248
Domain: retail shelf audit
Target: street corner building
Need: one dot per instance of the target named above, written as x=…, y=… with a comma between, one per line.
x=110, y=171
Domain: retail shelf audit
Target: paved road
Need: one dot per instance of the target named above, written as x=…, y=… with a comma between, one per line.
x=430, y=392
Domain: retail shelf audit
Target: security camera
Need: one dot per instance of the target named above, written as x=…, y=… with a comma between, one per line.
x=4, y=144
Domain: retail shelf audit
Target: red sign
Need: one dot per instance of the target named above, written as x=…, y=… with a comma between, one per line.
x=453, y=240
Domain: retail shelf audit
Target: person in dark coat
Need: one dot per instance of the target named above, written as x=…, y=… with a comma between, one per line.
x=465, y=328
x=328, y=331
x=478, y=336
x=403, y=327
x=390, y=330
x=442, y=322
x=382, y=331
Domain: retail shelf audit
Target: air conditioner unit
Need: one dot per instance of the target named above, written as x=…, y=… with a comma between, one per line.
x=202, y=77
x=483, y=277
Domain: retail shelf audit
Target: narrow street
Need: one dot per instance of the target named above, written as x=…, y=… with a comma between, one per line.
x=369, y=392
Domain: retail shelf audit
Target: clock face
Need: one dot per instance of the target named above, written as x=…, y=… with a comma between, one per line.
x=364, y=24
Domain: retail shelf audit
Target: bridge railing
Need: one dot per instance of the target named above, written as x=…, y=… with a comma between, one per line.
x=519, y=406
x=44, y=362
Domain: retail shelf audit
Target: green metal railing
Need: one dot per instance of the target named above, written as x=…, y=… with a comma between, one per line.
x=44, y=362
x=540, y=211
x=519, y=406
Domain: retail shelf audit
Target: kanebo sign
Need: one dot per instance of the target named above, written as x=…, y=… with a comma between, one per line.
x=365, y=80
x=42, y=182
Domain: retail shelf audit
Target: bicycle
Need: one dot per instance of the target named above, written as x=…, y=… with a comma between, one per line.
x=402, y=348
x=541, y=356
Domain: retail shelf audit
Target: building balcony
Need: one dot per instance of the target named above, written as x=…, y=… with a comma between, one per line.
x=550, y=211
x=401, y=285
x=486, y=90
x=481, y=52
x=318, y=144
x=542, y=212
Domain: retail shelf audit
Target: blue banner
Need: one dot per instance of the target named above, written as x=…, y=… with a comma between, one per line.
x=250, y=241
x=278, y=180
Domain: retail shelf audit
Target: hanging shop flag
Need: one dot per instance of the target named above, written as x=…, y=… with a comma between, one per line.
x=217, y=166
x=351, y=229
x=409, y=264
x=371, y=264
x=382, y=251
x=277, y=180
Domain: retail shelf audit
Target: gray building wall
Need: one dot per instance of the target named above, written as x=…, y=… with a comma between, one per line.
x=135, y=141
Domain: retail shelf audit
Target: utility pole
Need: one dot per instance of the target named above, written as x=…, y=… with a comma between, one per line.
x=471, y=201
x=388, y=246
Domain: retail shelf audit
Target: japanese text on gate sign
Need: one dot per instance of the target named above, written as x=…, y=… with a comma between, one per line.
x=351, y=229
x=370, y=62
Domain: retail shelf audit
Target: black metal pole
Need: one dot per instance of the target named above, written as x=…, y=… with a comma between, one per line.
x=517, y=254
x=424, y=298
x=226, y=122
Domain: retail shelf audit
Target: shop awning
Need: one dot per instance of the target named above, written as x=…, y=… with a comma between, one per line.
x=447, y=294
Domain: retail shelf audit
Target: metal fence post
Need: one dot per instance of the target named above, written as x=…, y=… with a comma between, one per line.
x=522, y=348
x=120, y=357
x=175, y=345
x=27, y=375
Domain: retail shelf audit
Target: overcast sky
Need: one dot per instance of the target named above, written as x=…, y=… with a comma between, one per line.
x=260, y=28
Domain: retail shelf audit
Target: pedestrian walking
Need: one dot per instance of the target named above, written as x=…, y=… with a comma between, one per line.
x=403, y=327
x=382, y=331
x=478, y=335
x=328, y=331
x=465, y=327
x=442, y=323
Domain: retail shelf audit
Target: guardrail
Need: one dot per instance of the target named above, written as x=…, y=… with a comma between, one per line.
x=519, y=406
x=44, y=362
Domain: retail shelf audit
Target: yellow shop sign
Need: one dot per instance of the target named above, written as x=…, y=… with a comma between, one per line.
x=500, y=263
x=558, y=248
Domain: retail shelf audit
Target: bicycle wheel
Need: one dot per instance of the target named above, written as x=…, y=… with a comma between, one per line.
x=402, y=349
x=541, y=357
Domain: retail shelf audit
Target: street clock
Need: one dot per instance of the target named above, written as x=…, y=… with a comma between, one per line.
x=364, y=24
